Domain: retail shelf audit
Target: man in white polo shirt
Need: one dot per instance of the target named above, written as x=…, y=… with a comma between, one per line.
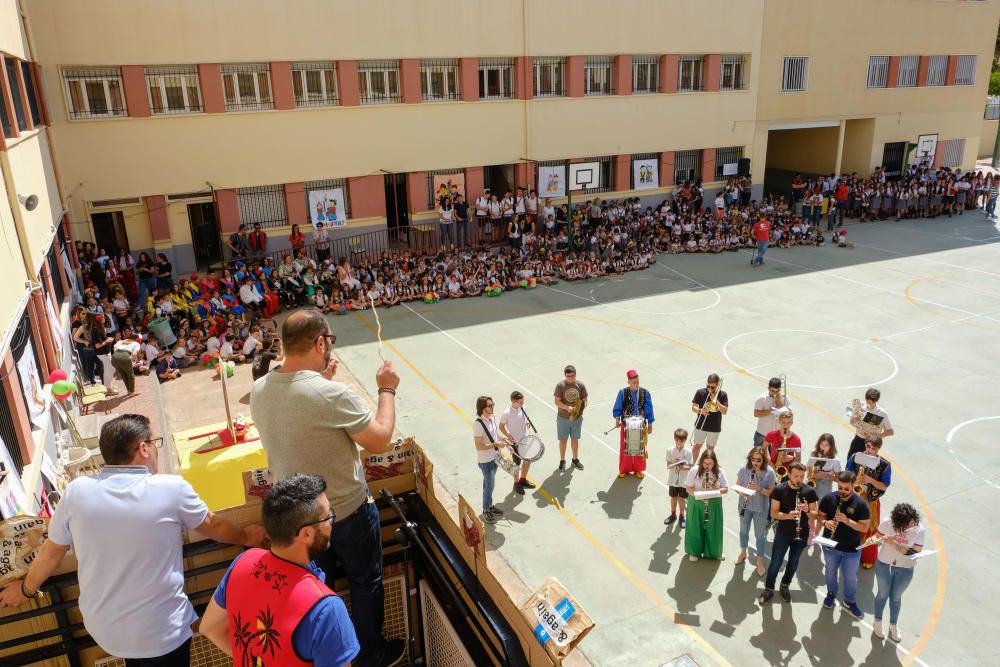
x=125, y=526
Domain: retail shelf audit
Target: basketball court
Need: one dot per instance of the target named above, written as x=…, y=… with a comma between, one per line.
x=914, y=310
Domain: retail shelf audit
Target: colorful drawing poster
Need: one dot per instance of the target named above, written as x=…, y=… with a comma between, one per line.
x=552, y=181
x=327, y=206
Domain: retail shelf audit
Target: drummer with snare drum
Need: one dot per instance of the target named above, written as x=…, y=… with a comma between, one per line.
x=633, y=413
x=514, y=425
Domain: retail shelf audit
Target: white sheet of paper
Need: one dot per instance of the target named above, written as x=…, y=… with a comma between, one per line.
x=743, y=490
x=866, y=460
x=705, y=494
x=921, y=554
x=678, y=462
x=825, y=542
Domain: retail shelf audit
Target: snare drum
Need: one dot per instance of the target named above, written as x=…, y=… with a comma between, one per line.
x=530, y=448
x=635, y=436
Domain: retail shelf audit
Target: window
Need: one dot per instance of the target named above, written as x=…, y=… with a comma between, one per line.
x=247, y=87
x=94, y=93
x=549, y=77
x=29, y=86
x=878, y=71
x=598, y=73
x=937, y=70
x=173, y=89
x=689, y=73
x=687, y=165
x=794, y=73
x=733, y=74
x=605, y=182
x=992, y=108
x=263, y=205
x=965, y=73
x=647, y=176
x=315, y=84
x=330, y=184
x=15, y=94
x=645, y=74
x=439, y=80
x=908, y=66
x=954, y=151
x=8, y=129
x=724, y=156
x=378, y=81
x=496, y=78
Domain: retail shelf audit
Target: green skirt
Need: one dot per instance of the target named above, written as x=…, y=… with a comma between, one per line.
x=703, y=538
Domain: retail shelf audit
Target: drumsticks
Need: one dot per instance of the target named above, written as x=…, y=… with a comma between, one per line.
x=379, y=323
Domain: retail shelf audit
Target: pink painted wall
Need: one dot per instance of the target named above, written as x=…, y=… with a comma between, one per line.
x=468, y=79
x=623, y=75
x=922, y=69
x=136, y=97
x=668, y=73
x=666, y=169
x=212, y=98
x=475, y=182
x=891, y=78
x=295, y=203
x=281, y=85
x=622, y=170
x=949, y=79
x=228, y=209
x=156, y=206
x=416, y=191
x=367, y=196
x=707, y=165
x=574, y=76
x=524, y=175
x=939, y=153
x=524, y=84
x=711, y=72
x=347, y=83
x=409, y=74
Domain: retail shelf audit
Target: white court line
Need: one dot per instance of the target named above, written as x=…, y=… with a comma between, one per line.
x=927, y=259
x=951, y=434
x=648, y=475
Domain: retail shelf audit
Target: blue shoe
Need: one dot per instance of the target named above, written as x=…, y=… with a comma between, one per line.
x=853, y=610
x=829, y=601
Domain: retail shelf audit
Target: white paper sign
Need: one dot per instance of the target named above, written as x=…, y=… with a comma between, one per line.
x=730, y=169
x=34, y=388
x=552, y=181
x=825, y=542
x=645, y=174
x=552, y=622
x=922, y=554
x=742, y=490
x=327, y=206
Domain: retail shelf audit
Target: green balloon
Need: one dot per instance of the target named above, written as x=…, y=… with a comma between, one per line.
x=62, y=387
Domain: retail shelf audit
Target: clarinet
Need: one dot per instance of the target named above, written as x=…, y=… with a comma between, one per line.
x=746, y=500
x=706, y=485
x=798, y=519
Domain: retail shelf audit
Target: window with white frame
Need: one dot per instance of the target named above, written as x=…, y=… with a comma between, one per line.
x=378, y=81
x=727, y=156
x=598, y=73
x=687, y=165
x=549, y=74
x=173, y=89
x=645, y=74
x=439, y=79
x=247, y=87
x=733, y=72
x=965, y=73
x=907, y=75
x=689, y=73
x=496, y=78
x=314, y=84
x=794, y=73
x=937, y=70
x=94, y=93
x=878, y=71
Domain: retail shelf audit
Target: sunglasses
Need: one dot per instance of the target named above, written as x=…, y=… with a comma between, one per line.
x=330, y=337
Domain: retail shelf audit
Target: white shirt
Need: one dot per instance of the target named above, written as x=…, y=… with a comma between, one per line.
x=765, y=402
x=514, y=422
x=886, y=425
x=151, y=353
x=250, y=345
x=225, y=350
x=677, y=475
x=212, y=345
x=485, y=455
x=249, y=294
x=910, y=538
x=125, y=526
x=694, y=480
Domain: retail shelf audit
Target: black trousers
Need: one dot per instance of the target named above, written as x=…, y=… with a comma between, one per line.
x=179, y=657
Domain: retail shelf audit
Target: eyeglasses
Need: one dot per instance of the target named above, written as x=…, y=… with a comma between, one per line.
x=156, y=442
x=330, y=337
x=489, y=405
x=757, y=460
x=328, y=519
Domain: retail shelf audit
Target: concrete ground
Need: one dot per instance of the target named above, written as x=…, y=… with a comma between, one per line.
x=914, y=309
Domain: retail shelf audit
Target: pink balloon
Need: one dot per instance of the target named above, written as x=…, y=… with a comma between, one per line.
x=56, y=375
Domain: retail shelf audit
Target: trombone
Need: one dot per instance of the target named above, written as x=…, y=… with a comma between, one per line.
x=784, y=388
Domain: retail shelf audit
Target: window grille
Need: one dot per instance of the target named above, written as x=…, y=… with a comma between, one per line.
x=439, y=80
x=263, y=205
x=432, y=200
x=687, y=165
x=645, y=74
x=640, y=156
x=173, y=90
x=496, y=78
x=689, y=73
x=247, y=87
x=878, y=71
x=733, y=72
x=724, y=156
x=8, y=127
x=907, y=76
x=378, y=81
x=15, y=94
x=937, y=70
x=29, y=86
x=550, y=77
x=94, y=93
x=954, y=151
x=992, y=108
x=598, y=76
x=314, y=84
x=329, y=184
x=794, y=74
x=965, y=73
x=606, y=177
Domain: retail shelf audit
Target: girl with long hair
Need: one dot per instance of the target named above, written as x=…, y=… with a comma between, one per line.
x=703, y=535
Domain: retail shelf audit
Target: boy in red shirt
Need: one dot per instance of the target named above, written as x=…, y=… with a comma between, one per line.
x=761, y=234
x=783, y=437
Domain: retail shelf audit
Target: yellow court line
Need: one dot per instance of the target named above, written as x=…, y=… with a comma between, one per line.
x=601, y=549
x=930, y=309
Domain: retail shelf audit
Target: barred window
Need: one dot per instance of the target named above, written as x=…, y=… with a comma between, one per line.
x=687, y=165
x=94, y=93
x=314, y=84
x=605, y=180
x=965, y=73
x=598, y=73
x=726, y=156
x=937, y=70
x=378, y=81
x=992, y=108
x=631, y=176
x=432, y=196
x=15, y=94
x=264, y=206
x=247, y=87
x=550, y=75
x=733, y=74
x=439, y=80
x=329, y=184
x=878, y=71
x=496, y=78
x=173, y=89
x=907, y=76
x=8, y=128
x=954, y=151
x=689, y=73
x=645, y=74
x=794, y=73
x=29, y=87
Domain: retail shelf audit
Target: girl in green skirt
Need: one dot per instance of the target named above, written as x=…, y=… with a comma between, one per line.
x=703, y=536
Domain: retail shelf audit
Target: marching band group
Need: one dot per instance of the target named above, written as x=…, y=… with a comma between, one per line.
x=805, y=501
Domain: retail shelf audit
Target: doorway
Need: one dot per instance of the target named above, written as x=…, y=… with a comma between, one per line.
x=109, y=232
x=892, y=159
x=396, y=207
x=498, y=178
x=204, y=235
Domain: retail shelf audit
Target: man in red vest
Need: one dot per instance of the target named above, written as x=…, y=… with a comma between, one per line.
x=273, y=607
x=761, y=234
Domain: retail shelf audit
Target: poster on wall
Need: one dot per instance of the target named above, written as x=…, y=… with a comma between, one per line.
x=33, y=387
x=448, y=185
x=55, y=325
x=13, y=497
x=645, y=174
x=552, y=181
x=327, y=206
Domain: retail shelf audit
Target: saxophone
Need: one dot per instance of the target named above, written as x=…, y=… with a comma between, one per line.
x=707, y=482
x=746, y=499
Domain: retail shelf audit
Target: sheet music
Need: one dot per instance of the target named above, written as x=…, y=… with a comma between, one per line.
x=743, y=490
x=921, y=554
x=678, y=462
x=813, y=460
x=825, y=542
x=866, y=460
x=707, y=494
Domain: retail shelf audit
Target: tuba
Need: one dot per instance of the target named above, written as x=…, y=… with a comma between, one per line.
x=571, y=397
x=855, y=412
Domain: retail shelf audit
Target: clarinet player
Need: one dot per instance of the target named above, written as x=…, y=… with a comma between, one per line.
x=845, y=516
x=792, y=503
x=756, y=475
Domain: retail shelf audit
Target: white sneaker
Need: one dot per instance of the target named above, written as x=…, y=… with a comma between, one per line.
x=693, y=559
x=894, y=634
x=877, y=630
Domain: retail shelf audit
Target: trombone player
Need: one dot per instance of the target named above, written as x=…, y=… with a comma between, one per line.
x=709, y=403
x=768, y=408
